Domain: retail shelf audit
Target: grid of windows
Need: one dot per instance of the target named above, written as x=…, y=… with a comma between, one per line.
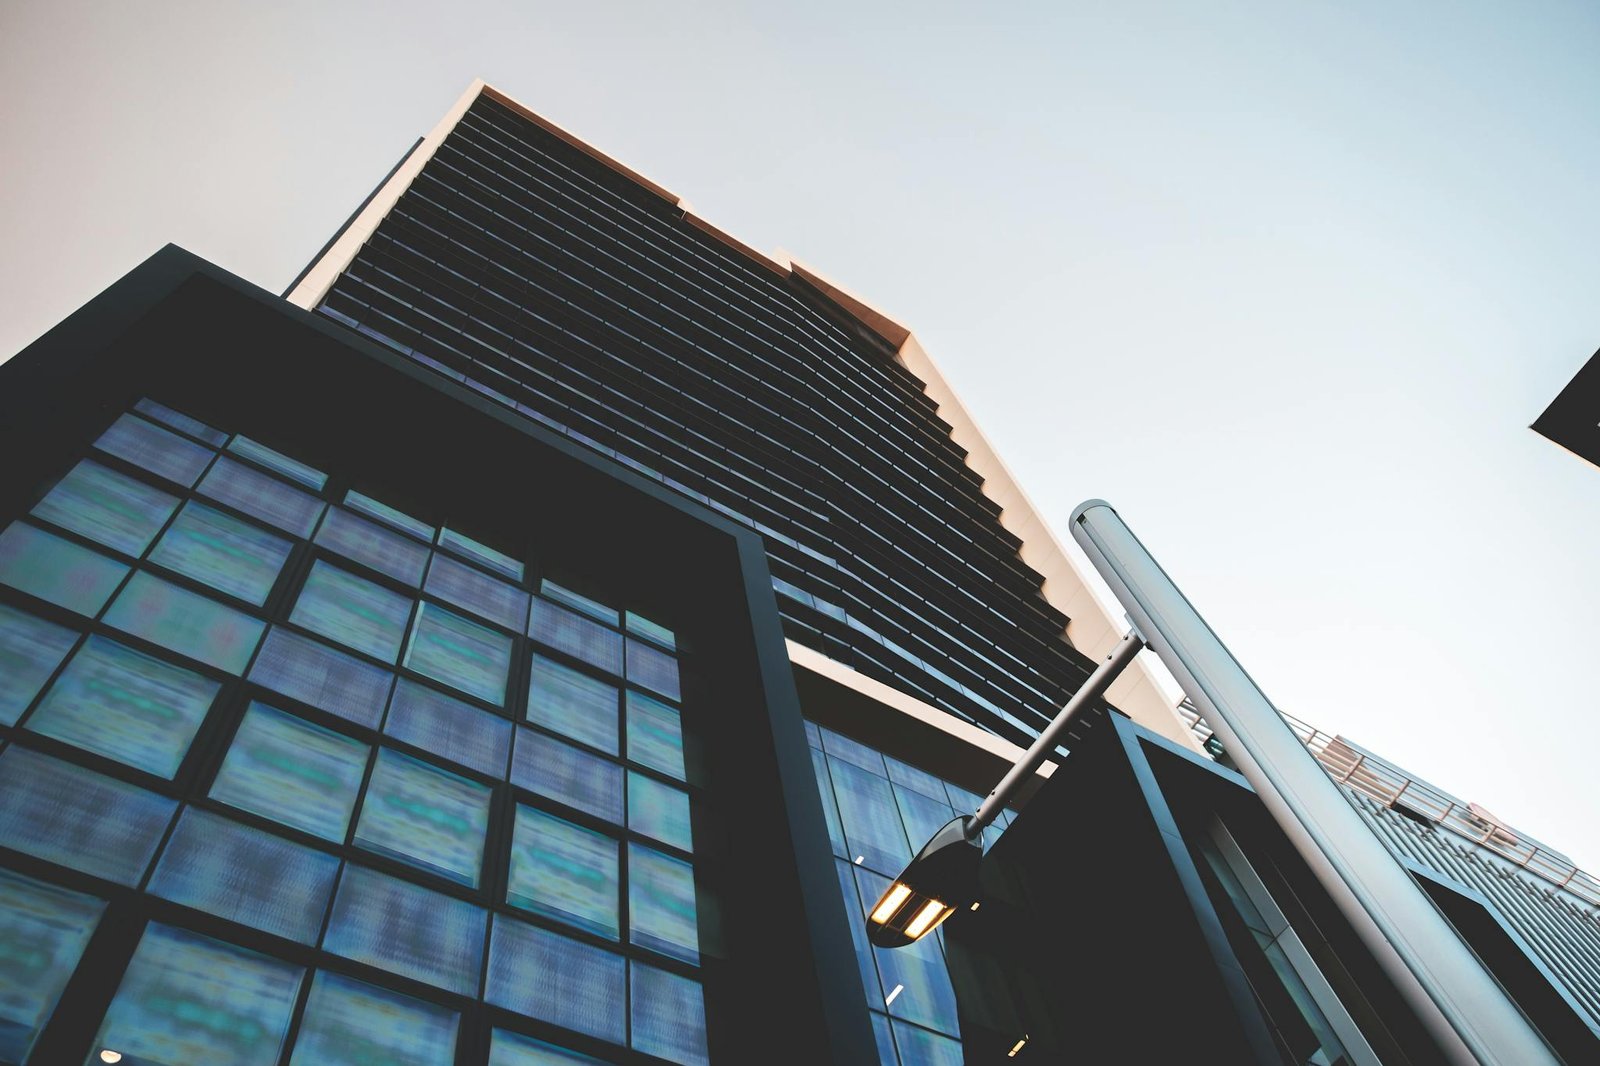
x=289, y=709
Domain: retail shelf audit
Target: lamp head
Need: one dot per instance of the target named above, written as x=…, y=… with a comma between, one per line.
x=942, y=879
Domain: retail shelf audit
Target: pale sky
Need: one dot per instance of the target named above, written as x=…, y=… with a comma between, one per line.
x=1285, y=283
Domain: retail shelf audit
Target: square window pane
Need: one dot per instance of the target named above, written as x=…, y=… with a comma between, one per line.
x=669, y=1015
x=65, y=814
x=44, y=930
x=407, y=929
x=449, y=728
x=262, y=496
x=105, y=506
x=460, y=652
x=561, y=772
x=480, y=553
x=654, y=669
x=425, y=816
x=661, y=904
x=853, y=752
x=658, y=810
x=655, y=735
x=570, y=632
x=513, y=1049
x=918, y=1047
x=181, y=422
x=351, y=1023
x=157, y=450
x=292, y=469
x=642, y=626
x=917, y=780
x=186, y=622
x=56, y=570
x=357, y=501
x=872, y=825
x=30, y=651
x=248, y=876
x=314, y=673
x=353, y=611
x=592, y=608
x=127, y=706
x=369, y=543
x=224, y=552
x=550, y=977
x=573, y=704
x=564, y=871
x=190, y=999
x=484, y=596
x=293, y=772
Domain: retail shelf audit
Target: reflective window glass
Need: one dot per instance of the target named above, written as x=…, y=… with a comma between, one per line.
x=353, y=611
x=125, y=705
x=658, y=810
x=262, y=496
x=653, y=669
x=460, y=652
x=513, y=1049
x=186, y=622
x=425, y=816
x=917, y=780
x=367, y=542
x=182, y=422
x=642, y=626
x=157, y=450
x=871, y=820
x=357, y=501
x=573, y=704
x=449, y=728
x=568, y=775
x=830, y=809
x=178, y=978
x=68, y=815
x=407, y=929
x=550, y=977
x=480, y=553
x=655, y=735
x=292, y=772
x=569, y=632
x=669, y=1015
x=564, y=871
x=885, y=1038
x=248, y=876
x=918, y=1047
x=351, y=1023
x=105, y=506
x=30, y=651
x=56, y=570
x=475, y=591
x=661, y=904
x=592, y=608
x=853, y=752
x=44, y=930
x=314, y=673
x=223, y=552
x=292, y=469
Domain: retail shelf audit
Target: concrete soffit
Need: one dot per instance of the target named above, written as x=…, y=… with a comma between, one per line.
x=1145, y=692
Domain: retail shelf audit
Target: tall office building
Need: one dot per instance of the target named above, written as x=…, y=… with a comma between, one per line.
x=539, y=638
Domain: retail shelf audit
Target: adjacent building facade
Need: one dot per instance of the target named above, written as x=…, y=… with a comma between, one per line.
x=539, y=636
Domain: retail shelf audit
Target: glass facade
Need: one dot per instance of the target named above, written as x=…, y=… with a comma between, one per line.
x=358, y=795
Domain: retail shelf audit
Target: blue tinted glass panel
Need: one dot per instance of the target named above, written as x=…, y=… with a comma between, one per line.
x=813, y=735
x=921, y=815
x=564, y=871
x=30, y=651
x=388, y=515
x=449, y=728
x=425, y=816
x=918, y=1047
x=107, y=507
x=661, y=904
x=43, y=930
x=460, y=652
x=514, y=1049
x=186, y=622
x=918, y=970
x=192, y=426
x=654, y=669
x=158, y=451
x=262, y=496
x=245, y=875
x=72, y=816
x=353, y=611
x=856, y=915
x=351, y=1023
x=56, y=570
x=126, y=706
x=484, y=596
x=592, y=608
x=853, y=752
x=669, y=1015
x=573, y=704
x=919, y=781
x=643, y=627
x=316, y=674
x=885, y=1039
x=367, y=542
x=871, y=820
x=658, y=810
x=830, y=809
x=292, y=469
x=219, y=550
x=550, y=977
x=568, y=775
x=408, y=930
x=570, y=632
x=293, y=772
x=186, y=998
x=655, y=735
x=482, y=554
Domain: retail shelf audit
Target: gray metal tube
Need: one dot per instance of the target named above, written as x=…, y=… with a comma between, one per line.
x=1091, y=689
x=1463, y=1007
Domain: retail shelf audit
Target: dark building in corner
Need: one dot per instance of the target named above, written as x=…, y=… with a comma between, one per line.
x=539, y=638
